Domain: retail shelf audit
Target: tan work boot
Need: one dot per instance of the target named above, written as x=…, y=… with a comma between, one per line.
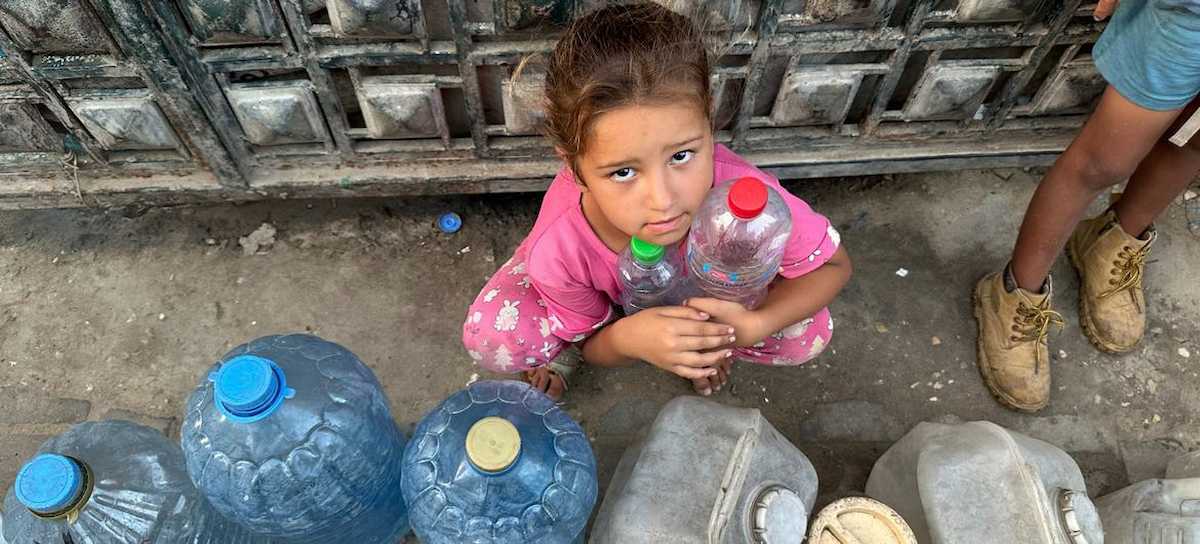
x=1110, y=263
x=1013, y=358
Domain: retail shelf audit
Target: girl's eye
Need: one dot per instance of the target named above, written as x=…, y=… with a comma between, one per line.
x=623, y=174
x=682, y=157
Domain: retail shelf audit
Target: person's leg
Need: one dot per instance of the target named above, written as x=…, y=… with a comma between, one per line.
x=1159, y=179
x=1013, y=308
x=794, y=345
x=507, y=330
x=1109, y=252
x=1117, y=137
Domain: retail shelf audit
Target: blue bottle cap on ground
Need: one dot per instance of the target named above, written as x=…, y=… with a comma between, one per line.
x=49, y=483
x=449, y=223
x=250, y=388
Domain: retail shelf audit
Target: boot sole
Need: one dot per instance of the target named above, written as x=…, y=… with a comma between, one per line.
x=1085, y=310
x=985, y=368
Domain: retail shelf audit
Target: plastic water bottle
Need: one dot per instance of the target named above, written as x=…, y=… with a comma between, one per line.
x=292, y=437
x=498, y=462
x=707, y=472
x=651, y=275
x=737, y=241
x=111, y=482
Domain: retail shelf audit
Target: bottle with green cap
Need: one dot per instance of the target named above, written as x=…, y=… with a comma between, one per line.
x=111, y=482
x=651, y=275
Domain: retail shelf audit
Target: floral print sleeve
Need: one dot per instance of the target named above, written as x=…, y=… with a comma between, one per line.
x=813, y=242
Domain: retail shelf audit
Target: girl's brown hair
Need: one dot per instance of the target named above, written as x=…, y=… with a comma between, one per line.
x=620, y=55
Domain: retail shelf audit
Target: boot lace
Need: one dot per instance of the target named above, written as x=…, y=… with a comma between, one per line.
x=1128, y=268
x=1032, y=323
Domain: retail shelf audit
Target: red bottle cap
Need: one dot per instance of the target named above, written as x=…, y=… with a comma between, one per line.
x=747, y=198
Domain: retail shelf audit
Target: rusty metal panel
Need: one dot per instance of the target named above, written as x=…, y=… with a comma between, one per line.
x=226, y=22
x=527, y=14
x=376, y=17
x=816, y=97
x=52, y=26
x=22, y=128
x=1074, y=88
x=994, y=10
x=950, y=91
x=398, y=108
x=125, y=123
x=850, y=12
x=736, y=15
x=278, y=114
x=524, y=111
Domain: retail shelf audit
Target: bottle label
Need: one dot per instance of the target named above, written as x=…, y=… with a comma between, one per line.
x=725, y=278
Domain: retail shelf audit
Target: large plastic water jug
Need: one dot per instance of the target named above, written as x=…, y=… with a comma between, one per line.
x=499, y=463
x=981, y=483
x=111, y=482
x=1165, y=511
x=292, y=437
x=737, y=240
x=711, y=473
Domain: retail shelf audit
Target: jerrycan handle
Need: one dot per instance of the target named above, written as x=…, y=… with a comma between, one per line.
x=1028, y=473
x=731, y=484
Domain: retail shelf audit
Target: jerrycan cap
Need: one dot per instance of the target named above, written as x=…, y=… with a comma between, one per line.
x=1079, y=518
x=49, y=483
x=867, y=520
x=493, y=444
x=778, y=516
x=249, y=388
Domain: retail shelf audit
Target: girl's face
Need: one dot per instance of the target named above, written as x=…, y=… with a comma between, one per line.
x=647, y=169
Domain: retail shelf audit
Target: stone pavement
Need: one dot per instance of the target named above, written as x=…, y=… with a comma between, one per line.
x=119, y=313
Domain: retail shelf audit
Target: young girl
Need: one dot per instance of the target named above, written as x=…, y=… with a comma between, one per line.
x=629, y=112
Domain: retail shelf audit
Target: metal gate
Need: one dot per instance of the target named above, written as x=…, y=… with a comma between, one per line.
x=110, y=102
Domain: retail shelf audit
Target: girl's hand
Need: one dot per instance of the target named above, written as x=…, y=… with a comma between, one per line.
x=748, y=327
x=677, y=339
x=1104, y=8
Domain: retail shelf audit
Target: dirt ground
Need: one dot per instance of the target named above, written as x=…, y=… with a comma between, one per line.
x=117, y=313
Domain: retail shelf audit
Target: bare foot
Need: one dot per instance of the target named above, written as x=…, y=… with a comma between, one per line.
x=547, y=381
x=706, y=386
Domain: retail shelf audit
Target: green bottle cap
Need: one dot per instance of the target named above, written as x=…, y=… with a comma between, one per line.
x=645, y=252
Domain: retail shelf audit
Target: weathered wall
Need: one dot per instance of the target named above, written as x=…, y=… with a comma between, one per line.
x=109, y=102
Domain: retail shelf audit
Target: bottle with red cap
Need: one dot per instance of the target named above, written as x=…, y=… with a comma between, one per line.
x=737, y=240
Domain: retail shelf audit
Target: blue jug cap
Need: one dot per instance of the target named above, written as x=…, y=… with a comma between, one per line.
x=449, y=222
x=249, y=388
x=49, y=483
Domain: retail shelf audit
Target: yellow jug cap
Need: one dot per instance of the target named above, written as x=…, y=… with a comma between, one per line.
x=493, y=444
